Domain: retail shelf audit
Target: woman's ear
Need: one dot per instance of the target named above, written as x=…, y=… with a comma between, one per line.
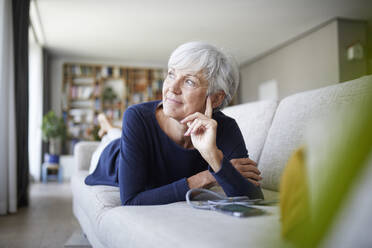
x=217, y=98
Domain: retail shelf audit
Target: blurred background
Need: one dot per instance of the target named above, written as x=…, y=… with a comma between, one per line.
x=94, y=56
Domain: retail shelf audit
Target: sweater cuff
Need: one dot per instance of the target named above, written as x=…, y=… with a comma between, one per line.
x=231, y=181
x=224, y=171
x=180, y=189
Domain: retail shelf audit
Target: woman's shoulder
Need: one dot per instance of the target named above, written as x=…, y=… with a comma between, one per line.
x=140, y=115
x=145, y=106
x=227, y=126
x=223, y=119
x=145, y=109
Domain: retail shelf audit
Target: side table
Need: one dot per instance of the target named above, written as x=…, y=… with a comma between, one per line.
x=51, y=171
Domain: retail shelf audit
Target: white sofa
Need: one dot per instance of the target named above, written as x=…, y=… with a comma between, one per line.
x=271, y=131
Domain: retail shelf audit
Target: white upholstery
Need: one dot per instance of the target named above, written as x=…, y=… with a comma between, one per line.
x=254, y=120
x=293, y=115
x=179, y=225
x=83, y=152
x=107, y=224
x=91, y=203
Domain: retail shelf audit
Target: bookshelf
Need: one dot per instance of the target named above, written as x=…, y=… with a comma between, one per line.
x=89, y=89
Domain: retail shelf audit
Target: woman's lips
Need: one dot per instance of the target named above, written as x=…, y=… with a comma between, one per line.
x=173, y=101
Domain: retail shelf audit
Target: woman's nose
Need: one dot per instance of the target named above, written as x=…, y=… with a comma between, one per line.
x=175, y=85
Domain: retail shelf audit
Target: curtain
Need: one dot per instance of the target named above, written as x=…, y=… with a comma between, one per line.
x=35, y=109
x=20, y=31
x=8, y=162
x=46, y=95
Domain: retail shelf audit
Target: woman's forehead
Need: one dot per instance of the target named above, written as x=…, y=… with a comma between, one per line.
x=188, y=72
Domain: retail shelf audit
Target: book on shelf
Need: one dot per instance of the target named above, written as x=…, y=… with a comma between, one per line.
x=116, y=72
x=64, y=100
x=107, y=71
x=113, y=114
x=84, y=81
x=84, y=104
x=149, y=92
x=75, y=70
x=137, y=98
x=97, y=104
x=81, y=92
x=97, y=90
x=86, y=70
x=157, y=85
x=81, y=70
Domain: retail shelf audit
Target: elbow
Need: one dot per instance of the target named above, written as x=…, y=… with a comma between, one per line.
x=129, y=201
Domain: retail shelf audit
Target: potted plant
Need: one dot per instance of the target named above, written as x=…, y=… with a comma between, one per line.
x=109, y=95
x=53, y=130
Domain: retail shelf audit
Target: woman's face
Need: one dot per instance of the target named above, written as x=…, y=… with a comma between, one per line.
x=184, y=93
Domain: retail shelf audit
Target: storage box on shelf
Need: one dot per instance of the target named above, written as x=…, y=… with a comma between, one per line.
x=91, y=89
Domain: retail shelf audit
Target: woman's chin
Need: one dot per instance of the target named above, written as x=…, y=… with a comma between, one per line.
x=173, y=114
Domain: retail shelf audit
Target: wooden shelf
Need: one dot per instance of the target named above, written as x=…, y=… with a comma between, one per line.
x=86, y=83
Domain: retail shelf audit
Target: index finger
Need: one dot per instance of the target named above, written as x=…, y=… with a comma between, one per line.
x=243, y=161
x=208, y=108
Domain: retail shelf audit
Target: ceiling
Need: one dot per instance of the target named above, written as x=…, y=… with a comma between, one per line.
x=146, y=31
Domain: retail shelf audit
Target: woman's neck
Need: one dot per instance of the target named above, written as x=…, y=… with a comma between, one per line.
x=174, y=129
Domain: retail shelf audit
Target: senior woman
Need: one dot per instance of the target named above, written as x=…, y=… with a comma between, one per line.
x=184, y=141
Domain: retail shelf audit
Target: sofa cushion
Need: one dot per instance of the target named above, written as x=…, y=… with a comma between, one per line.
x=95, y=200
x=107, y=224
x=292, y=117
x=179, y=225
x=254, y=120
x=83, y=152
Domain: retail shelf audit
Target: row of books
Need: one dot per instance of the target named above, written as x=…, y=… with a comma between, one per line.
x=82, y=97
x=83, y=92
x=113, y=114
x=81, y=70
x=82, y=115
x=109, y=71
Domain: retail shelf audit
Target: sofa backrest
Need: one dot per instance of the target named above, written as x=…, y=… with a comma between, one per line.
x=254, y=120
x=293, y=115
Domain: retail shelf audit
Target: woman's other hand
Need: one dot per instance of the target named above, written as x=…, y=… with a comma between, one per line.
x=203, y=179
x=203, y=129
x=248, y=169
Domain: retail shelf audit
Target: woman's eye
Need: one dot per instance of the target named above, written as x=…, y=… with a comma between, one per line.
x=190, y=83
x=171, y=75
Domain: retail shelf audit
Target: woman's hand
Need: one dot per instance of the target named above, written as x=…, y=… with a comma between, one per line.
x=248, y=169
x=203, y=129
x=203, y=179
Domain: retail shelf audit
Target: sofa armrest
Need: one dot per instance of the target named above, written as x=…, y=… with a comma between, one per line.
x=83, y=152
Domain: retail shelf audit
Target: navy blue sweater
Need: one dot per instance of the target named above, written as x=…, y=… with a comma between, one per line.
x=150, y=168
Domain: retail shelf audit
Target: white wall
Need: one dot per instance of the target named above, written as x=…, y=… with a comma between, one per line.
x=307, y=63
x=55, y=72
x=350, y=32
x=35, y=108
x=369, y=47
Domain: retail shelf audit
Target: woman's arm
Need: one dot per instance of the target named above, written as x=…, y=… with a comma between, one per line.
x=203, y=179
x=203, y=129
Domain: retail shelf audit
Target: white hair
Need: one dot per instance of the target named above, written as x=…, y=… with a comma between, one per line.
x=219, y=69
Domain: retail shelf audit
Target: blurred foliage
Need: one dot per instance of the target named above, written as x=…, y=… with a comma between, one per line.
x=53, y=127
x=109, y=94
x=95, y=133
x=346, y=159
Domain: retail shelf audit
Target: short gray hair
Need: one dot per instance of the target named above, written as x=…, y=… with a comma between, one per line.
x=219, y=69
